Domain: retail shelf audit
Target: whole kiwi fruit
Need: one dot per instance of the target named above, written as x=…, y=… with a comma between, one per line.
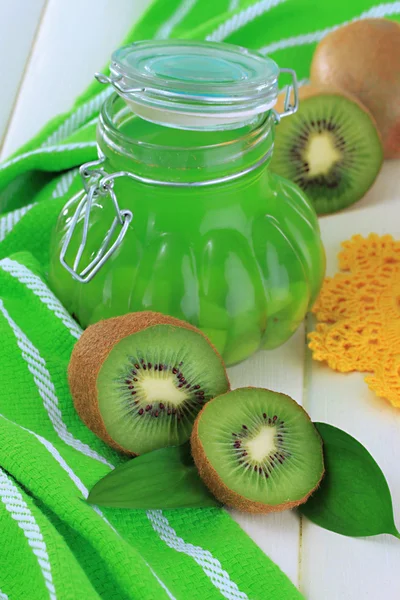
x=363, y=58
x=139, y=380
x=257, y=450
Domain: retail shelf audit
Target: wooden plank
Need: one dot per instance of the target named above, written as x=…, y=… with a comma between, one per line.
x=75, y=40
x=334, y=566
x=20, y=20
x=281, y=370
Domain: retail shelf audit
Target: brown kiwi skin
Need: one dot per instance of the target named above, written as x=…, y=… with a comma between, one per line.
x=363, y=58
x=220, y=490
x=85, y=363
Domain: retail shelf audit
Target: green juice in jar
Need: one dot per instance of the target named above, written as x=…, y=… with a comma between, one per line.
x=239, y=258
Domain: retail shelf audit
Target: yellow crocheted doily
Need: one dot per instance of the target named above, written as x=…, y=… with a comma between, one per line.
x=359, y=314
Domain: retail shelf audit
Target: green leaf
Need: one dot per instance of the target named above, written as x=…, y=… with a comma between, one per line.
x=353, y=498
x=166, y=478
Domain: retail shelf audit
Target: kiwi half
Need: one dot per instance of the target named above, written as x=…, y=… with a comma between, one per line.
x=257, y=450
x=331, y=148
x=138, y=381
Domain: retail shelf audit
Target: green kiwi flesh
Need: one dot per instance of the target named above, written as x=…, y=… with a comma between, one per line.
x=257, y=450
x=330, y=148
x=152, y=385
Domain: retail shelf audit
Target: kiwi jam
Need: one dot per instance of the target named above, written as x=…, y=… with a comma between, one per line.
x=241, y=259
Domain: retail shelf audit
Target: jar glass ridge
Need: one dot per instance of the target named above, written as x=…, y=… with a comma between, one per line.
x=192, y=156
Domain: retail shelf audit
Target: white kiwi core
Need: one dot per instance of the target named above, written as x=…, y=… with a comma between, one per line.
x=262, y=444
x=163, y=387
x=321, y=153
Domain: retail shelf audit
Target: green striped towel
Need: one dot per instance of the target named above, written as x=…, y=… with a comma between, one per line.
x=53, y=544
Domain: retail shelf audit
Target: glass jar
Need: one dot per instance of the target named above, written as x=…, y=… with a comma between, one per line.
x=181, y=215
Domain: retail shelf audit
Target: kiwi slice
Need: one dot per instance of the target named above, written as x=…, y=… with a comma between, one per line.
x=257, y=450
x=330, y=148
x=138, y=381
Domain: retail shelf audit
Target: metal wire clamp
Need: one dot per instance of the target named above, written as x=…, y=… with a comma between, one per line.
x=289, y=108
x=90, y=174
x=103, y=187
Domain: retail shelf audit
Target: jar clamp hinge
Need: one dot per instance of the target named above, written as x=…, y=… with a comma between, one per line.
x=96, y=183
x=289, y=108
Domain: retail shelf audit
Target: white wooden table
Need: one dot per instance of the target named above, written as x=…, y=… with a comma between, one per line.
x=50, y=49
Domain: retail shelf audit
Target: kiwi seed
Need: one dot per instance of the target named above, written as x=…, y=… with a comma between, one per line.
x=138, y=381
x=330, y=148
x=257, y=450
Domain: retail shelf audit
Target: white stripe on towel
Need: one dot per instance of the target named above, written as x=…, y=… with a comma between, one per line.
x=183, y=9
x=82, y=488
x=242, y=18
x=8, y=222
x=36, y=285
x=41, y=376
x=63, y=464
x=161, y=583
x=19, y=511
x=78, y=118
x=64, y=183
x=381, y=10
x=48, y=150
x=210, y=565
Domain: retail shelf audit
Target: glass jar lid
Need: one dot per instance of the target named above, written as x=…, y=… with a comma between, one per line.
x=194, y=85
